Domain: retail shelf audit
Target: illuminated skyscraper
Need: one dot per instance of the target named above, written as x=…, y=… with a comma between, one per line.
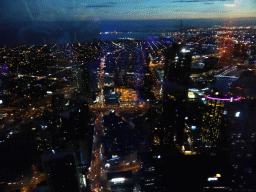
x=213, y=119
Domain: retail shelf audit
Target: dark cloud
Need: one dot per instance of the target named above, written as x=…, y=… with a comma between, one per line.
x=99, y=6
x=147, y=7
x=105, y=5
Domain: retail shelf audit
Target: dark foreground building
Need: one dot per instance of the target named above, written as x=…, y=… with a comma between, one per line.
x=61, y=171
x=175, y=95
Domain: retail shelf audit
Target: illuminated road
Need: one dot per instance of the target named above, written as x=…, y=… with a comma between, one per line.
x=27, y=183
x=98, y=171
x=98, y=174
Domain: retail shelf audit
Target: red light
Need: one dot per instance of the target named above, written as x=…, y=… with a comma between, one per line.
x=239, y=88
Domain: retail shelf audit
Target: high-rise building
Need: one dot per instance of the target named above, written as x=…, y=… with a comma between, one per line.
x=213, y=119
x=61, y=171
x=241, y=120
x=176, y=78
x=118, y=136
x=57, y=102
x=84, y=83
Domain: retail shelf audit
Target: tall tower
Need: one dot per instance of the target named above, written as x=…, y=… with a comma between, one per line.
x=213, y=119
x=175, y=94
x=84, y=82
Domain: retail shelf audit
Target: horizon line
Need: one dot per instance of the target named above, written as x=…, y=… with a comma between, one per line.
x=91, y=19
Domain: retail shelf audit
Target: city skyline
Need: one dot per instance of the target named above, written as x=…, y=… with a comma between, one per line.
x=125, y=112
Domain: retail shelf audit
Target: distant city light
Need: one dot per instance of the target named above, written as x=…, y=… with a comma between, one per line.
x=118, y=180
x=1, y=101
x=185, y=50
x=191, y=95
x=114, y=158
x=159, y=156
x=237, y=114
x=193, y=127
x=212, y=178
x=193, y=90
x=84, y=180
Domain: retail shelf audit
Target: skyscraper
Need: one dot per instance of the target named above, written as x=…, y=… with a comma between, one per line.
x=176, y=78
x=61, y=170
x=57, y=102
x=84, y=83
x=241, y=120
x=213, y=119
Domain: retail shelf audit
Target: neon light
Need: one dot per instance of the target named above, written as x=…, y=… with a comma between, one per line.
x=222, y=99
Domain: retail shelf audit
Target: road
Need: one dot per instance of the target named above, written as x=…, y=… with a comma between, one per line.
x=98, y=172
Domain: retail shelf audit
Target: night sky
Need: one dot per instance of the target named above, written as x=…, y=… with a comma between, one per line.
x=79, y=10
